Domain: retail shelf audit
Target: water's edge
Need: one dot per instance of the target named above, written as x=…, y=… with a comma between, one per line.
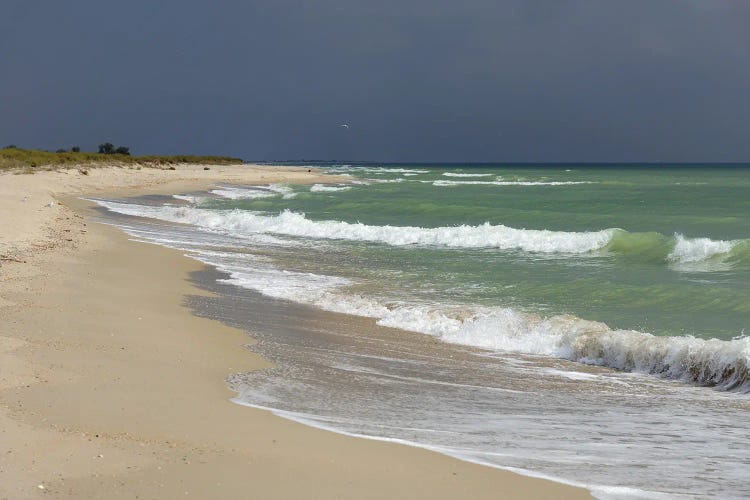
x=208, y=279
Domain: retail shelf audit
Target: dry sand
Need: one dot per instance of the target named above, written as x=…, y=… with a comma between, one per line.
x=110, y=388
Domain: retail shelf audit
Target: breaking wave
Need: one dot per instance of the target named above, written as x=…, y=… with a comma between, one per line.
x=715, y=363
x=461, y=174
x=448, y=183
x=676, y=249
x=387, y=170
x=699, y=249
x=239, y=222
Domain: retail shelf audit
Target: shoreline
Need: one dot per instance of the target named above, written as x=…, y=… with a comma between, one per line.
x=112, y=388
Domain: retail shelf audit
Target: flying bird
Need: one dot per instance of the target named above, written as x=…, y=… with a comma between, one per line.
x=345, y=125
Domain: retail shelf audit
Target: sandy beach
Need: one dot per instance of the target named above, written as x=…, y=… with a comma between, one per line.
x=110, y=388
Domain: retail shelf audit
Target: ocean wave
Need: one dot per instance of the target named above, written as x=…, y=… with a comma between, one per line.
x=461, y=174
x=680, y=250
x=387, y=170
x=254, y=192
x=375, y=170
x=655, y=247
x=448, y=183
x=699, y=249
x=324, y=188
x=389, y=181
x=282, y=189
x=713, y=362
x=238, y=222
x=233, y=193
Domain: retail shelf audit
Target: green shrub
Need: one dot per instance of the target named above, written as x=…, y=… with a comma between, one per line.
x=106, y=148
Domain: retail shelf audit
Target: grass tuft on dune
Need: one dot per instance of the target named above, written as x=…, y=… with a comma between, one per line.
x=31, y=160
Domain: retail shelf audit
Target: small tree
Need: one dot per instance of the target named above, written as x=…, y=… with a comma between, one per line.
x=107, y=148
x=75, y=149
x=122, y=150
x=11, y=146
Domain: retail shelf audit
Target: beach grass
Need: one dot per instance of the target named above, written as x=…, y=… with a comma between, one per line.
x=31, y=160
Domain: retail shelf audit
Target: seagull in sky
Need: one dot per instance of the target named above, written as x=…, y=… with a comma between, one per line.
x=345, y=125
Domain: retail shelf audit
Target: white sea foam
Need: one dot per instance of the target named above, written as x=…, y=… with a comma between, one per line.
x=448, y=183
x=707, y=362
x=386, y=170
x=462, y=174
x=713, y=362
x=288, y=223
x=688, y=250
x=254, y=192
x=285, y=191
x=324, y=188
x=239, y=222
x=237, y=193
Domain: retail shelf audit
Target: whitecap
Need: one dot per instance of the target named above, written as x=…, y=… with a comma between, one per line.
x=462, y=174
x=688, y=250
x=288, y=223
x=325, y=188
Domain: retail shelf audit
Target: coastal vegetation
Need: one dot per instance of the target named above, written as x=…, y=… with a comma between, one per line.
x=30, y=160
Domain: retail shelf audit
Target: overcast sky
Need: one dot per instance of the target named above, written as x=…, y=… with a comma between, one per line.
x=415, y=80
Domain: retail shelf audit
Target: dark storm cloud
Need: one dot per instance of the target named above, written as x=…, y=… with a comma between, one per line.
x=554, y=80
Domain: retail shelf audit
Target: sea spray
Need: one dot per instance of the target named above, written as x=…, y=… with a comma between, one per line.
x=699, y=249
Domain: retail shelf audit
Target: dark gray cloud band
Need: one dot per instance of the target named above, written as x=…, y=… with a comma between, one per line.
x=513, y=80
